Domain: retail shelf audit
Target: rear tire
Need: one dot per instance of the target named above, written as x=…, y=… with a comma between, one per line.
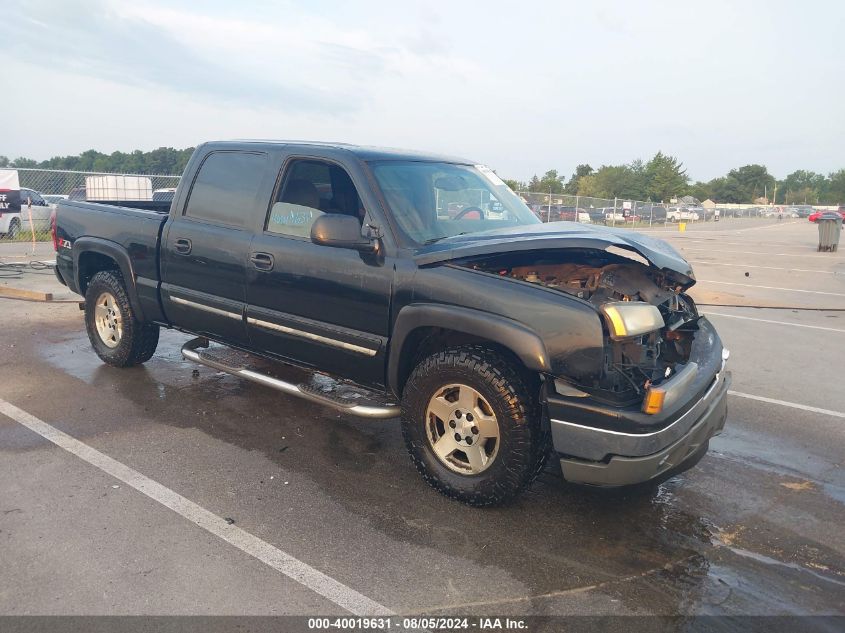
x=14, y=229
x=118, y=337
x=484, y=419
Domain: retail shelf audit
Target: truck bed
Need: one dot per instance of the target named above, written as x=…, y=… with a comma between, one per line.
x=110, y=229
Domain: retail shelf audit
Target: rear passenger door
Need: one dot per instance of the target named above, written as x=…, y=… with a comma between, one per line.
x=206, y=246
x=318, y=305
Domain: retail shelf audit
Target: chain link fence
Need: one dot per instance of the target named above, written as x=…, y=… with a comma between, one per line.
x=637, y=214
x=26, y=216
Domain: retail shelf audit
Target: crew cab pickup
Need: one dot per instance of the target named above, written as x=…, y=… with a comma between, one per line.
x=336, y=273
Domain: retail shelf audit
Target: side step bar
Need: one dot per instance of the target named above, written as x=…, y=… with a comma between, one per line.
x=354, y=401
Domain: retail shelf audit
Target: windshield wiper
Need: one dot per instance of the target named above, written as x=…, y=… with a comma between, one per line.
x=443, y=237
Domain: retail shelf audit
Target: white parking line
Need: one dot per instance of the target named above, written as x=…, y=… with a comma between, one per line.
x=712, y=250
x=716, y=241
x=295, y=569
x=733, y=283
x=779, y=225
x=795, y=270
x=747, y=318
x=784, y=403
x=672, y=229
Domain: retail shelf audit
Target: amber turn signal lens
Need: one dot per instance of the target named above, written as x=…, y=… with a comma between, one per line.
x=653, y=402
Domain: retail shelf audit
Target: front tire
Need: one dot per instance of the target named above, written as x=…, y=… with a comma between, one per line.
x=116, y=335
x=472, y=426
x=14, y=229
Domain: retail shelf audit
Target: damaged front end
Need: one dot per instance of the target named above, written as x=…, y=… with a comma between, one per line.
x=649, y=322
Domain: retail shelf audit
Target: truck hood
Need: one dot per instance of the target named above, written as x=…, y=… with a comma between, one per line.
x=556, y=235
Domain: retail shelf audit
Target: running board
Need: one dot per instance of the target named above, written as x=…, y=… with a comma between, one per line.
x=302, y=383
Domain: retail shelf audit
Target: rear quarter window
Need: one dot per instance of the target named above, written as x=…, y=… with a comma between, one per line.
x=225, y=188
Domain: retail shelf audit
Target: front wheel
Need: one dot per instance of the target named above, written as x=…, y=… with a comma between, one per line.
x=472, y=426
x=117, y=336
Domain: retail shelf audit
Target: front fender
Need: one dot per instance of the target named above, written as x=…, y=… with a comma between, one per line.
x=520, y=340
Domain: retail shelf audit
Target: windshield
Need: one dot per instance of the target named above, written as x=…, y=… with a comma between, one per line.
x=432, y=201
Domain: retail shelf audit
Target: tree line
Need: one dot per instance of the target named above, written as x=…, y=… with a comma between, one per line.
x=659, y=179
x=164, y=161
x=664, y=177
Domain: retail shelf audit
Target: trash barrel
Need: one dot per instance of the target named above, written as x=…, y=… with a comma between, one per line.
x=830, y=228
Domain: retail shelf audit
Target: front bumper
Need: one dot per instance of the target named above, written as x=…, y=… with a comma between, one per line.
x=612, y=447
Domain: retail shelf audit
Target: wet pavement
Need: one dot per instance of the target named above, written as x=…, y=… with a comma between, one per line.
x=754, y=529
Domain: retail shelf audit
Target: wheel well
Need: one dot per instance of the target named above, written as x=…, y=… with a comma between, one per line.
x=90, y=264
x=425, y=341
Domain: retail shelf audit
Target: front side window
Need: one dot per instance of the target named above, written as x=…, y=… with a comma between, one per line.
x=225, y=188
x=309, y=189
x=433, y=201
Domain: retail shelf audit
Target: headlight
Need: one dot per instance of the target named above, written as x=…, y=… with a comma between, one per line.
x=630, y=318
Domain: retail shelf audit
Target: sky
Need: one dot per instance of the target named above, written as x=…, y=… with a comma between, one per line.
x=520, y=86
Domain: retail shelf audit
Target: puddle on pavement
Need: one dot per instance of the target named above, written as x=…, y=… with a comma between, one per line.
x=783, y=460
x=74, y=356
x=766, y=560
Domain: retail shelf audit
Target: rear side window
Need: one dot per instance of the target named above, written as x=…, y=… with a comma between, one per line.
x=225, y=188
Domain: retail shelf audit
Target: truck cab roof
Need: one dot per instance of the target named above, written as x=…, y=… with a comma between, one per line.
x=365, y=153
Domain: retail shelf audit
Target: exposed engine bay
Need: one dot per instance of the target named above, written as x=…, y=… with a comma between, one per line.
x=631, y=365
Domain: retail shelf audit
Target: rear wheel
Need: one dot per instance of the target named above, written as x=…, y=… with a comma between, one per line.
x=472, y=426
x=14, y=229
x=117, y=336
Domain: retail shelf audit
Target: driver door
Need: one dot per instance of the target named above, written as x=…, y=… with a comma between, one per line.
x=319, y=306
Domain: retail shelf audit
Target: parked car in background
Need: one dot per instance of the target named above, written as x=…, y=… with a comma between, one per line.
x=814, y=217
x=777, y=212
x=682, y=214
x=54, y=198
x=35, y=211
x=699, y=211
x=653, y=213
x=573, y=214
x=801, y=211
x=596, y=216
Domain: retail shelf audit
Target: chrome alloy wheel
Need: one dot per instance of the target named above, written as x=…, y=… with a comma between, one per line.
x=462, y=429
x=108, y=320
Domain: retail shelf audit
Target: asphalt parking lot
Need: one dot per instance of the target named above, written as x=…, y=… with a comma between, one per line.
x=175, y=489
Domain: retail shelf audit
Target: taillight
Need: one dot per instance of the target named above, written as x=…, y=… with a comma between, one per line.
x=53, y=230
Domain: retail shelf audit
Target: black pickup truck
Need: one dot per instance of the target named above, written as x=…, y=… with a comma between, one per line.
x=393, y=284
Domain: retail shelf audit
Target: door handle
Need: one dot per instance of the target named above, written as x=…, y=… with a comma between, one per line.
x=182, y=245
x=262, y=261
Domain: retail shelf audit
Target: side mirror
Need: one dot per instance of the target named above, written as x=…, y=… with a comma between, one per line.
x=341, y=231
